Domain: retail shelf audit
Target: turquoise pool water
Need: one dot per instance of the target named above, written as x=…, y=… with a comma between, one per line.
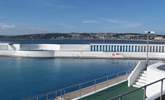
x=23, y=77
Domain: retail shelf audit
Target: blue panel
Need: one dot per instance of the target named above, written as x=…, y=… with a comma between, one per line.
x=156, y=48
x=101, y=47
x=135, y=48
x=116, y=48
x=120, y=48
x=138, y=48
x=96, y=47
x=132, y=49
x=129, y=50
x=153, y=48
x=112, y=48
x=150, y=50
x=126, y=47
x=123, y=48
x=145, y=48
x=91, y=47
x=107, y=48
x=162, y=48
x=141, y=49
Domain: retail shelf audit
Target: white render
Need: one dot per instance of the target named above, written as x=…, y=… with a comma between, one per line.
x=136, y=72
x=147, y=76
x=157, y=51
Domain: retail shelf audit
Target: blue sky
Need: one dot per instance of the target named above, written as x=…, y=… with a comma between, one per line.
x=37, y=16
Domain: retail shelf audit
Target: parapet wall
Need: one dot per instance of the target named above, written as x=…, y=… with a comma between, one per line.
x=56, y=47
x=70, y=50
x=39, y=47
x=74, y=47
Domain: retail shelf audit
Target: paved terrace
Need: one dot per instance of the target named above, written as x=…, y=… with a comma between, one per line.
x=113, y=91
x=84, y=92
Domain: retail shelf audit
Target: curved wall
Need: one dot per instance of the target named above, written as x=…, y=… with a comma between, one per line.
x=74, y=47
x=33, y=53
x=39, y=47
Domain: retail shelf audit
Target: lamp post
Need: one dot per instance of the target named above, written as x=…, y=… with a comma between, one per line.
x=148, y=33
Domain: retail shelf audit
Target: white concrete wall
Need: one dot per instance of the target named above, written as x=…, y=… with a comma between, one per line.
x=83, y=51
x=89, y=54
x=3, y=46
x=153, y=91
x=33, y=53
x=13, y=46
x=7, y=46
x=40, y=47
x=85, y=54
x=62, y=47
x=127, y=55
x=135, y=73
x=27, y=53
x=75, y=47
x=6, y=53
x=151, y=55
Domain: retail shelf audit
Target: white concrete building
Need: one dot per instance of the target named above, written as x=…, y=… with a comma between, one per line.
x=155, y=51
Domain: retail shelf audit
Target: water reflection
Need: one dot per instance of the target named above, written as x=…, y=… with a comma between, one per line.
x=22, y=77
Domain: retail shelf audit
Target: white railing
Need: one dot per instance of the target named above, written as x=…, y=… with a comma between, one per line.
x=62, y=93
x=136, y=72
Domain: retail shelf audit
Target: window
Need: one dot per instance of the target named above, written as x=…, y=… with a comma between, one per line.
x=100, y=47
x=114, y=48
x=150, y=49
x=121, y=49
x=135, y=48
x=117, y=48
x=141, y=49
x=162, y=48
x=156, y=48
x=129, y=48
x=110, y=48
x=153, y=48
x=105, y=48
x=145, y=48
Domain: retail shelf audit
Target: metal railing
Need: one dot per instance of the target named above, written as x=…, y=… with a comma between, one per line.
x=119, y=97
x=61, y=92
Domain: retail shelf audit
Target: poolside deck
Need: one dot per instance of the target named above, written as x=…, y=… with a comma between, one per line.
x=114, y=91
x=94, y=89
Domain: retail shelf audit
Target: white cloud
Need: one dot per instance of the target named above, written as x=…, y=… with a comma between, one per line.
x=90, y=21
x=4, y=26
x=114, y=22
x=132, y=25
x=10, y=29
x=122, y=23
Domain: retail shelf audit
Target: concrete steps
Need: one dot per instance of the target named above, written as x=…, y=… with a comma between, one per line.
x=141, y=79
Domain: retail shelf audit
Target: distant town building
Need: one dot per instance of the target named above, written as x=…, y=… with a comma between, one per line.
x=158, y=38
